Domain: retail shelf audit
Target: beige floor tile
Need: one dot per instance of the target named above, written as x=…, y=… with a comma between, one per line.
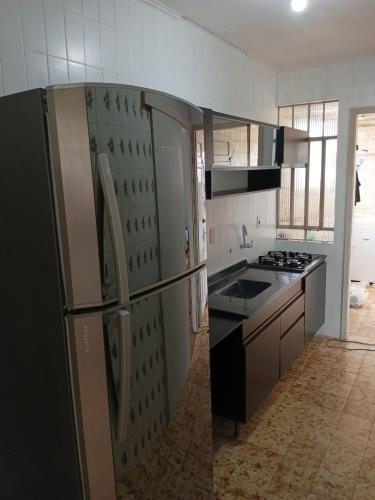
x=253, y=475
x=365, y=381
x=291, y=481
x=364, y=491
x=327, y=486
x=338, y=388
x=347, y=442
x=359, y=408
x=366, y=394
x=367, y=472
x=354, y=425
x=341, y=464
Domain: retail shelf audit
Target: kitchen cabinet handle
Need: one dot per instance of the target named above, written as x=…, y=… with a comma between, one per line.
x=125, y=372
x=110, y=200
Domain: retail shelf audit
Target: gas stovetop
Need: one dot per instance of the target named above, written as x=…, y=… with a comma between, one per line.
x=295, y=262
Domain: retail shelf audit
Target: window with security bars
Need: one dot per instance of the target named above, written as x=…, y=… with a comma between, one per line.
x=306, y=199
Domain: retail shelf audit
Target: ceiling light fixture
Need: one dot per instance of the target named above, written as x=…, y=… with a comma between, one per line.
x=298, y=5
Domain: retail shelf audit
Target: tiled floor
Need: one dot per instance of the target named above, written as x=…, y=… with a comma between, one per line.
x=314, y=437
x=362, y=320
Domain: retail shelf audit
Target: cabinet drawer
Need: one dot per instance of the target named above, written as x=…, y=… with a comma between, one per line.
x=291, y=345
x=290, y=316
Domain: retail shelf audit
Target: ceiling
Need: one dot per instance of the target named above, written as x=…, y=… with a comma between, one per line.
x=271, y=32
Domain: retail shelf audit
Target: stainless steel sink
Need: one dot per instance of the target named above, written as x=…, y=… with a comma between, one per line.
x=244, y=289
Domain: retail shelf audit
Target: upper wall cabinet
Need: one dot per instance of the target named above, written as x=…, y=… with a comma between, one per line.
x=240, y=155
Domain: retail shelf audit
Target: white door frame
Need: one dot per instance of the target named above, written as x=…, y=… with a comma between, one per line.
x=349, y=214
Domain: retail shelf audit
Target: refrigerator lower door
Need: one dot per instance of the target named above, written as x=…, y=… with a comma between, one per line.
x=165, y=450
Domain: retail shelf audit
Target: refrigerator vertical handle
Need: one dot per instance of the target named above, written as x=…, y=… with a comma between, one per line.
x=125, y=372
x=115, y=227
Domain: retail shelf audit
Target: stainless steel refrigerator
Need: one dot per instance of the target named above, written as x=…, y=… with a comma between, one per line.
x=104, y=363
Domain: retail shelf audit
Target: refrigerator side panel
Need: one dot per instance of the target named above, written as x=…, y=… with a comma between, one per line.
x=73, y=183
x=39, y=456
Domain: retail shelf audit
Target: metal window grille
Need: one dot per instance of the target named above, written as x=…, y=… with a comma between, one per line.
x=306, y=200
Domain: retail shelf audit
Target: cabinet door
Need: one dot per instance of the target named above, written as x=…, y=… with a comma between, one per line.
x=291, y=345
x=315, y=301
x=262, y=365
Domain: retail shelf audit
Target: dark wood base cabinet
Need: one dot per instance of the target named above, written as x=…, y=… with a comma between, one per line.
x=245, y=367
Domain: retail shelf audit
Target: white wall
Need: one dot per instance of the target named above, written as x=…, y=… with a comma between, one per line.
x=226, y=216
x=130, y=41
x=351, y=81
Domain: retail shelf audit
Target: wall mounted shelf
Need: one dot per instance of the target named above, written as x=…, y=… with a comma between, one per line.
x=240, y=155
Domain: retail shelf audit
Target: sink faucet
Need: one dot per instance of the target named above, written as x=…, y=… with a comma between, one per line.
x=244, y=234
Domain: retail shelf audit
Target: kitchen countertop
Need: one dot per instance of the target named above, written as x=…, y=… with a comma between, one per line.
x=227, y=313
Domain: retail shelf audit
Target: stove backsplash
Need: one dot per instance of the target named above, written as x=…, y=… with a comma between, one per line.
x=225, y=217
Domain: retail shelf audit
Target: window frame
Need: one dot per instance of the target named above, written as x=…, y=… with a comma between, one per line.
x=323, y=139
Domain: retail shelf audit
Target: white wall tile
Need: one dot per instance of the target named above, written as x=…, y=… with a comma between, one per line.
x=13, y=68
x=91, y=9
x=75, y=37
x=110, y=76
x=92, y=43
x=122, y=14
x=108, y=42
x=123, y=54
x=55, y=28
x=36, y=69
x=10, y=22
x=75, y=5
x=77, y=72
x=94, y=74
x=33, y=25
x=57, y=70
x=107, y=12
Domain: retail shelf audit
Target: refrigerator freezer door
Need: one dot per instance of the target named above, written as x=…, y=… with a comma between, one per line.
x=168, y=418
x=175, y=126
x=148, y=139
x=155, y=185
x=174, y=176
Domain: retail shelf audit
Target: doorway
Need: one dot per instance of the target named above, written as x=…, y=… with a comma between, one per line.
x=361, y=325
